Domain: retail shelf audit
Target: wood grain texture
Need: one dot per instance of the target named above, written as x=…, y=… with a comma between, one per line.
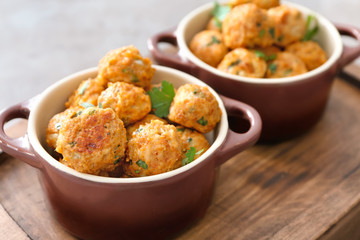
x=304, y=188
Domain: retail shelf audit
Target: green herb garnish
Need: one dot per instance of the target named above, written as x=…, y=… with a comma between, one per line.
x=262, y=32
x=190, y=155
x=100, y=105
x=202, y=121
x=272, y=68
x=312, y=28
x=83, y=88
x=161, y=98
x=262, y=55
x=117, y=160
x=214, y=40
x=86, y=105
x=219, y=13
x=234, y=63
x=142, y=164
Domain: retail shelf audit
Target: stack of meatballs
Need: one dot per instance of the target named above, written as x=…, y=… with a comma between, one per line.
x=108, y=127
x=258, y=39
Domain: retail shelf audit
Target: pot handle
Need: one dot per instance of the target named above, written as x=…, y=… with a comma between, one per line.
x=174, y=60
x=349, y=53
x=18, y=147
x=236, y=142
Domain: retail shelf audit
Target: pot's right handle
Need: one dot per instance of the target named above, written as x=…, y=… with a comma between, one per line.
x=18, y=147
x=236, y=142
x=174, y=60
x=349, y=53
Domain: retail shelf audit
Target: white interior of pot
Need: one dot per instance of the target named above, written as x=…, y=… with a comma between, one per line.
x=52, y=101
x=328, y=37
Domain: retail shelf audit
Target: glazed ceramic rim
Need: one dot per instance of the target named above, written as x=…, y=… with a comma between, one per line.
x=35, y=114
x=185, y=51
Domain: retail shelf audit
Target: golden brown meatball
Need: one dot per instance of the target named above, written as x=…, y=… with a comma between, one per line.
x=310, y=52
x=208, y=46
x=247, y=25
x=154, y=149
x=290, y=24
x=130, y=103
x=92, y=142
x=133, y=127
x=126, y=65
x=285, y=65
x=88, y=91
x=53, y=128
x=192, y=138
x=243, y=62
x=195, y=107
x=266, y=4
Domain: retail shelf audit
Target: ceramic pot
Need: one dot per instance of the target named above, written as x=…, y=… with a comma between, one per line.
x=288, y=106
x=153, y=207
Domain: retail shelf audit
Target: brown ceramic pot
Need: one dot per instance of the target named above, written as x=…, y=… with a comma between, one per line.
x=288, y=106
x=153, y=207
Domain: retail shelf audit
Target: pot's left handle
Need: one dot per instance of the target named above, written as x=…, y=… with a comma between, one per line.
x=18, y=147
x=235, y=141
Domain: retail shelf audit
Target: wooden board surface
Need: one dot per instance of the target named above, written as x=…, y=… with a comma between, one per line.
x=304, y=188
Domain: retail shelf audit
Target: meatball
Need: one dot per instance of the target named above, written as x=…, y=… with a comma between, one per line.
x=130, y=103
x=55, y=123
x=310, y=52
x=208, y=46
x=290, y=24
x=126, y=65
x=243, y=62
x=192, y=138
x=247, y=25
x=266, y=4
x=88, y=91
x=285, y=65
x=133, y=127
x=195, y=107
x=155, y=148
x=92, y=141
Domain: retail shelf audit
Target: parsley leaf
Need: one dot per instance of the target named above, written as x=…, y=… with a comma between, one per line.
x=161, y=98
x=142, y=164
x=202, y=121
x=219, y=13
x=190, y=155
x=86, y=105
x=312, y=28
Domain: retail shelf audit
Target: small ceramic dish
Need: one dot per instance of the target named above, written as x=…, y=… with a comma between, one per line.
x=152, y=207
x=288, y=106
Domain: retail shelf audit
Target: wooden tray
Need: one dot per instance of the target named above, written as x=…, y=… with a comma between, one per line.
x=304, y=188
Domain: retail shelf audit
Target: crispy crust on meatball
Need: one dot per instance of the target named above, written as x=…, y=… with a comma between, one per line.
x=310, y=52
x=88, y=91
x=154, y=149
x=126, y=65
x=243, y=62
x=247, y=25
x=147, y=119
x=285, y=65
x=209, y=47
x=131, y=103
x=195, y=107
x=92, y=141
x=290, y=23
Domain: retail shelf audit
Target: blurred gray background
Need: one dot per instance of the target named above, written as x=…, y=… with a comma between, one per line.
x=43, y=41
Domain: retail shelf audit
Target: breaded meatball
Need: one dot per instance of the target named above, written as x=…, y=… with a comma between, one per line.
x=133, y=127
x=310, y=52
x=290, y=24
x=243, y=62
x=208, y=45
x=195, y=107
x=53, y=128
x=126, y=65
x=92, y=141
x=285, y=65
x=247, y=25
x=88, y=91
x=131, y=103
x=155, y=148
x=192, y=138
x=266, y=4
